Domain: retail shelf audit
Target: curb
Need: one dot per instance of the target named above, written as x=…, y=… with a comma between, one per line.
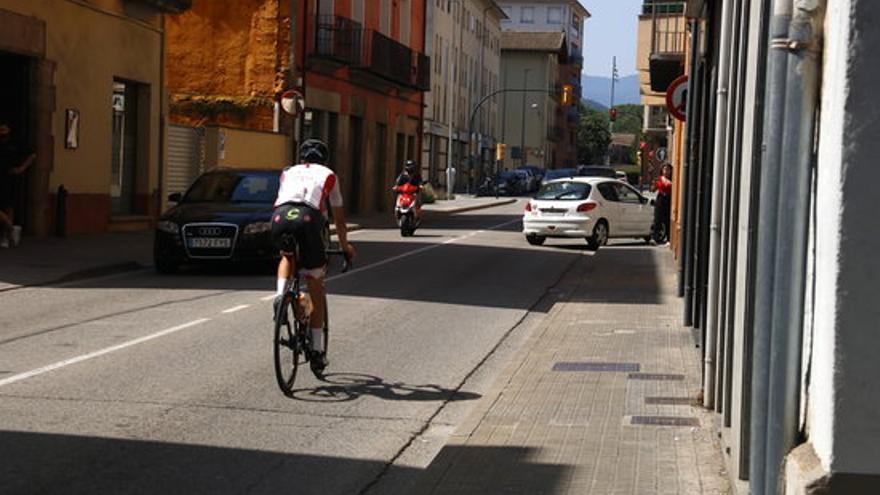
x=474, y=207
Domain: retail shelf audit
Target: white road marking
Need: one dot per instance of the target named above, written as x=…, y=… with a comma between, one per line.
x=67, y=362
x=408, y=254
x=236, y=308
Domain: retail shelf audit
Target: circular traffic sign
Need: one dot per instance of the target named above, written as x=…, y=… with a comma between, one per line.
x=292, y=102
x=676, y=98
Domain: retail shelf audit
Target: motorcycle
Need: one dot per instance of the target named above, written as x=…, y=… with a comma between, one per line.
x=407, y=210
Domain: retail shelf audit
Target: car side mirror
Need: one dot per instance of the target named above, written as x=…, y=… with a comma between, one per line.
x=175, y=197
x=653, y=202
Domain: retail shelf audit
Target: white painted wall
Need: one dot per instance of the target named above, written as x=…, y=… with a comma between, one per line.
x=845, y=386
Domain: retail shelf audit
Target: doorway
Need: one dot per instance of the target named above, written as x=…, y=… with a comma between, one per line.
x=15, y=103
x=123, y=172
x=357, y=150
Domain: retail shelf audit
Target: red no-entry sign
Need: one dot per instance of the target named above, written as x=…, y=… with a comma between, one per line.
x=676, y=98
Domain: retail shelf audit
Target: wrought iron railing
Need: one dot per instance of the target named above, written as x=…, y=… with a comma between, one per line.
x=338, y=38
x=345, y=41
x=668, y=26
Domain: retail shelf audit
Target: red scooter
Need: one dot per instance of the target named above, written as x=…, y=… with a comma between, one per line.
x=407, y=211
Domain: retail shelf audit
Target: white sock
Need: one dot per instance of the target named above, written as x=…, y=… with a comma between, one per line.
x=281, y=286
x=318, y=339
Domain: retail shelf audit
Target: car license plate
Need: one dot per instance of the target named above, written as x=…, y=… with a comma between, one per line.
x=210, y=242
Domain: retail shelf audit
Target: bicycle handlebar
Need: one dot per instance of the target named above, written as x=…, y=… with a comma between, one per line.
x=346, y=263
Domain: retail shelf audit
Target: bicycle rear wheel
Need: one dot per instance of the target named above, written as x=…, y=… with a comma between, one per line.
x=287, y=346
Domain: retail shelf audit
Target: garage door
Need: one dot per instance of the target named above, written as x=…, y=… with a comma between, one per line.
x=185, y=157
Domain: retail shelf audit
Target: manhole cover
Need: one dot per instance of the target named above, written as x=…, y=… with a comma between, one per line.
x=665, y=421
x=593, y=366
x=669, y=401
x=654, y=376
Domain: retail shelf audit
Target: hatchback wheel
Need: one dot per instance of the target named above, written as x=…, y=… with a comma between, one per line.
x=535, y=240
x=599, y=237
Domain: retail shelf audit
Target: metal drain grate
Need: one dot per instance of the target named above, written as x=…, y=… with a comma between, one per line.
x=655, y=376
x=665, y=421
x=669, y=401
x=593, y=366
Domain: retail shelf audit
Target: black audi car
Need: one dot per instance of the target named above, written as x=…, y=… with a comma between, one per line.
x=223, y=217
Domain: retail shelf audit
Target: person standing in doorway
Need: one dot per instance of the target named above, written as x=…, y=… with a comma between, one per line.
x=663, y=203
x=13, y=164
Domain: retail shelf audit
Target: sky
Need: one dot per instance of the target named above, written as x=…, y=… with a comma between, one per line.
x=610, y=31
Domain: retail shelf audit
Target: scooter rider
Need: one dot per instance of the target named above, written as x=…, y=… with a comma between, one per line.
x=410, y=175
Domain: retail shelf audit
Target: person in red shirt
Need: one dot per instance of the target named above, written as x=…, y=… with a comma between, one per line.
x=663, y=187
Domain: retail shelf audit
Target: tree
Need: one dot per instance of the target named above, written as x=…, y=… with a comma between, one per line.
x=593, y=136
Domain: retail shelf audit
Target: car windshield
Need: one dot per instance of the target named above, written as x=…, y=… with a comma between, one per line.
x=564, y=190
x=256, y=187
x=507, y=175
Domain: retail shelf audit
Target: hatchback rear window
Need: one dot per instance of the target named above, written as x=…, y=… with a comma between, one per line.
x=564, y=191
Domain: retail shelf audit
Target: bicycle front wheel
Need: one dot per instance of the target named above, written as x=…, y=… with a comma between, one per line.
x=287, y=346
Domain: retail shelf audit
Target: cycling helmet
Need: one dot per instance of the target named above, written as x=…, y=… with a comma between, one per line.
x=314, y=151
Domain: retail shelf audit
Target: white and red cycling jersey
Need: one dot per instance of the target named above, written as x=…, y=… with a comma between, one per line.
x=310, y=184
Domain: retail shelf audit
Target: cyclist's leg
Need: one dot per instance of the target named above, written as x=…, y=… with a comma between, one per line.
x=313, y=265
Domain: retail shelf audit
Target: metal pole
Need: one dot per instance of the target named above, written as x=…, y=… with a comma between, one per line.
x=793, y=95
x=719, y=165
x=685, y=284
x=522, y=130
x=610, y=107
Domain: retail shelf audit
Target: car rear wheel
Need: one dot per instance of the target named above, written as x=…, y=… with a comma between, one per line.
x=535, y=240
x=599, y=237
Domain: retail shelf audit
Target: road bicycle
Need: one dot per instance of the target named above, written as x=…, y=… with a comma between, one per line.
x=293, y=337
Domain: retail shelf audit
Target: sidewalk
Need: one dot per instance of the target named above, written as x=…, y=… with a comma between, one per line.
x=588, y=404
x=53, y=260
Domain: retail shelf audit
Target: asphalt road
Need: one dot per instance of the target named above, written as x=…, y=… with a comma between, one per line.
x=142, y=383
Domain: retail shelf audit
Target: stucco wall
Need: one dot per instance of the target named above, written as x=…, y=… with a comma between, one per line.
x=91, y=48
x=226, y=147
x=845, y=389
x=234, y=56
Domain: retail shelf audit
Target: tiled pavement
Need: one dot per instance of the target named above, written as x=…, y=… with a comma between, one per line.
x=546, y=431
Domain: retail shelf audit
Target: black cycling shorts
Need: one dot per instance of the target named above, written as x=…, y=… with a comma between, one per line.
x=299, y=230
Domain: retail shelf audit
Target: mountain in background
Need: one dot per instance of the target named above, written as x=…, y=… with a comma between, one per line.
x=598, y=89
x=595, y=105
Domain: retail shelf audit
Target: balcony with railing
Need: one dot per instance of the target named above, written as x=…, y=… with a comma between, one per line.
x=668, y=40
x=373, y=57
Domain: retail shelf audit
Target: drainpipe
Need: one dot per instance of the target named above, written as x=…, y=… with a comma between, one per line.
x=685, y=284
x=719, y=165
x=792, y=103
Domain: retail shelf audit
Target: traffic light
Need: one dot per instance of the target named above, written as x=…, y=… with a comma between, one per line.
x=567, y=95
x=499, y=152
x=612, y=114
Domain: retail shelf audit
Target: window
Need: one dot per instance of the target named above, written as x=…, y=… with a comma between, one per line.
x=554, y=15
x=626, y=194
x=575, y=21
x=527, y=15
x=609, y=192
x=508, y=11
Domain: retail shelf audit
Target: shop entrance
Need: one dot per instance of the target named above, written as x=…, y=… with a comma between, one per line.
x=15, y=103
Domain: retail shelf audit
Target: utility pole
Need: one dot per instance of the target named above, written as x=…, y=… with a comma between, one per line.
x=522, y=129
x=611, y=112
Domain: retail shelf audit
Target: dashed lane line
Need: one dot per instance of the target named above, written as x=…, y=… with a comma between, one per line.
x=107, y=350
x=236, y=308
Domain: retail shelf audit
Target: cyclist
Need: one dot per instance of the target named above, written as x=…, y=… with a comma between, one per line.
x=297, y=230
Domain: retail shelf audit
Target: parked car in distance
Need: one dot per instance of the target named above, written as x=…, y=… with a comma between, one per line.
x=528, y=179
x=224, y=216
x=508, y=182
x=591, y=208
x=537, y=172
x=558, y=174
x=596, y=171
x=621, y=175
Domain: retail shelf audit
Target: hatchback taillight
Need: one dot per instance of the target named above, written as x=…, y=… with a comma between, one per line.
x=528, y=206
x=585, y=207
